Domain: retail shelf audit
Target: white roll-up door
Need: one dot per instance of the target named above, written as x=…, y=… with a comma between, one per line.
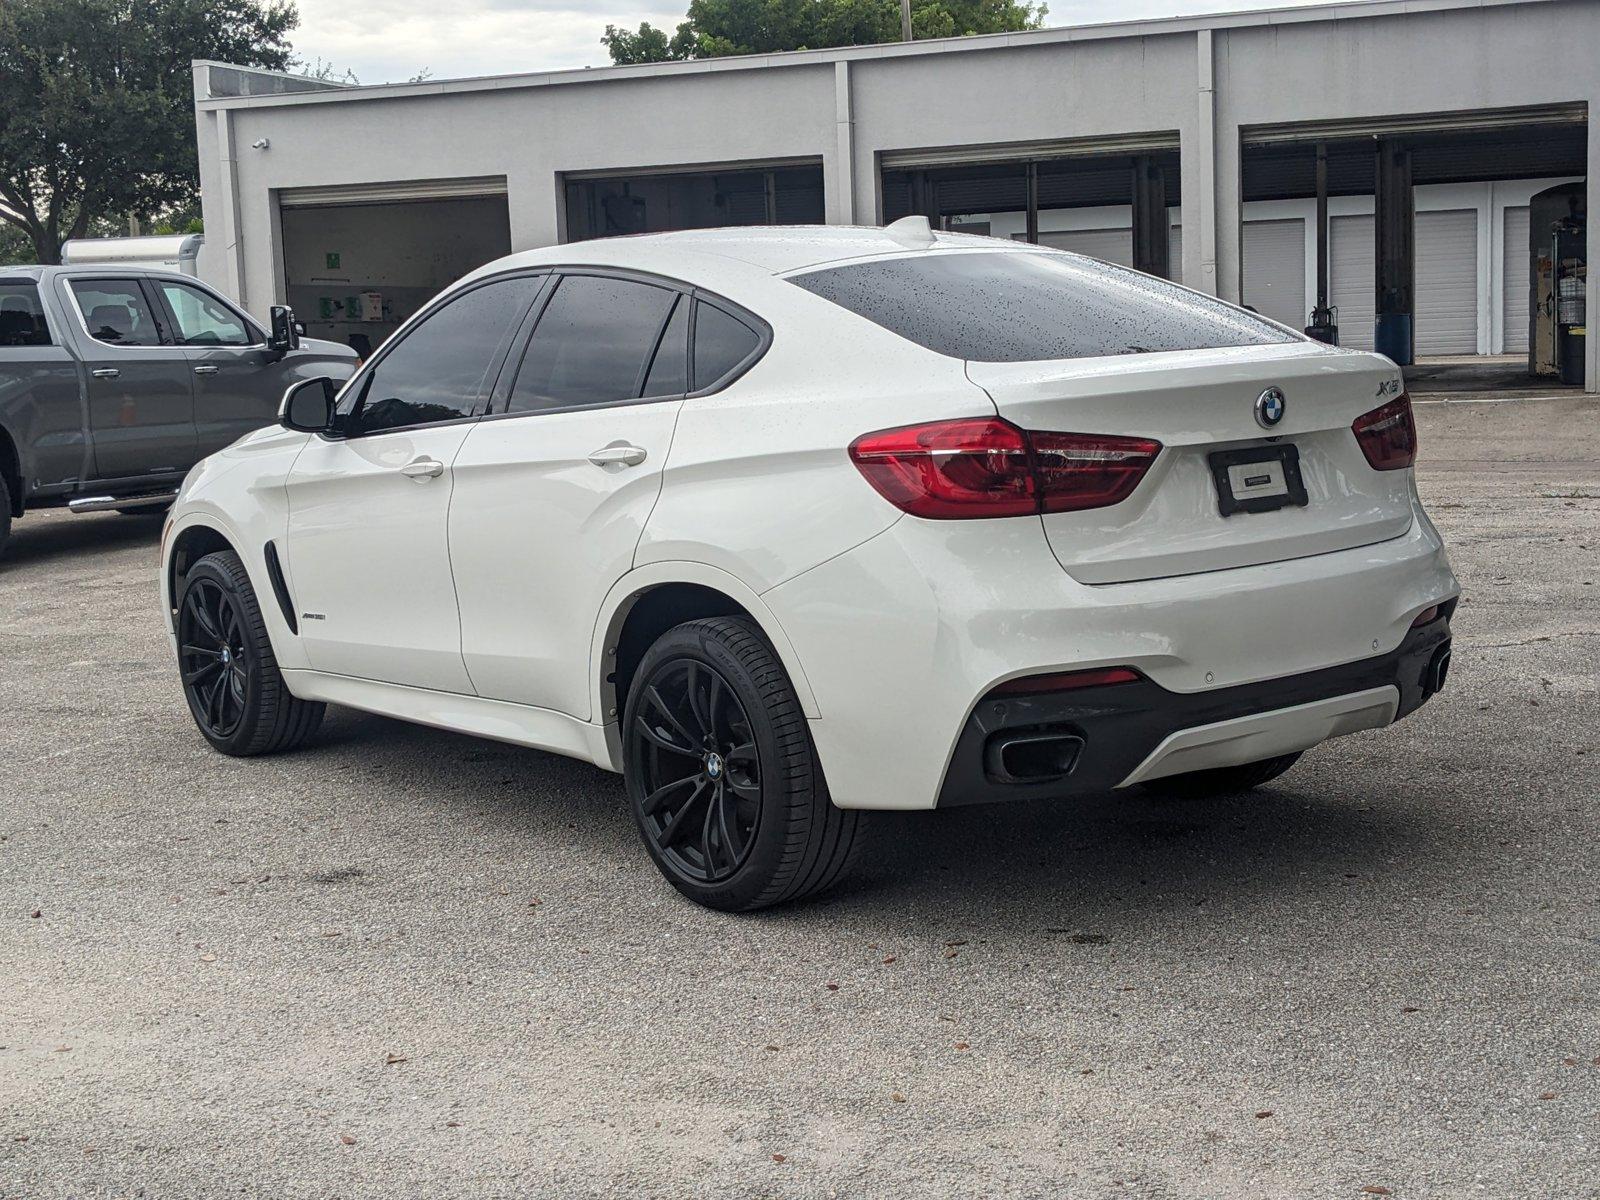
x=1112, y=245
x=1514, y=268
x=1175, y=252
x=1275, y=270
x=1351, y=278
x=1447, y=282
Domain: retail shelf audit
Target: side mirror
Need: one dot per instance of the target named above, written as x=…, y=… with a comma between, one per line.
x=308, y=405
x=285, y=329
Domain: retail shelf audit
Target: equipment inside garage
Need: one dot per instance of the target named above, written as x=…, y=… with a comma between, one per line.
x=358, y=263
x=613, y=205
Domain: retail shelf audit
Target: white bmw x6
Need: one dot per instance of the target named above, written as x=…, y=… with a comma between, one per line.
x=787, y=524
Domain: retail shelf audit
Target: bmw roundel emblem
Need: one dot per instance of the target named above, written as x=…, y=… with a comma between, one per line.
x=1270, y=406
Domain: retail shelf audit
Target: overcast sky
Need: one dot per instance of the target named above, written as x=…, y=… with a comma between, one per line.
x=393, y=40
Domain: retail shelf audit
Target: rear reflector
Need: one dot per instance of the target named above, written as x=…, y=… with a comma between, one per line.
x=1066, y=681
x=1388, y=435
x=986, y=467
x=1431, y=613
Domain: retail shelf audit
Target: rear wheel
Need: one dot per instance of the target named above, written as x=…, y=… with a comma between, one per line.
x=722, y=777
x=230, y=677
x=1197, y=785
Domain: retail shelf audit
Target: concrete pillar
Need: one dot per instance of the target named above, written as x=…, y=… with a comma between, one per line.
x=840, y=184
x=1152, y=250
x=1197, y=161
x=1591, y=366
x=1394, y=253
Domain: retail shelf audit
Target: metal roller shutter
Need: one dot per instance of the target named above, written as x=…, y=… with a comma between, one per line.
x=1175, y=253
x=1351, y=278
x=1275, y=270
x=1514, y=281
x=1447, y=282
x=1112, y=245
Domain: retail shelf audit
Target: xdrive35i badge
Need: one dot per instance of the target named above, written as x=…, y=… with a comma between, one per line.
x=1270, y=406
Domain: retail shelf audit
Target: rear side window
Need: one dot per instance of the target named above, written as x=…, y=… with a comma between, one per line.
x=438, y=370
x=22, y=320
x=721, y=343
x=1024, y=306
x=115, y=312
x=669, y=370
x=592, y=344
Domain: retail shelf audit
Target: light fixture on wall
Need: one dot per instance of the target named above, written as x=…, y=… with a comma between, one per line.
x=261, y=144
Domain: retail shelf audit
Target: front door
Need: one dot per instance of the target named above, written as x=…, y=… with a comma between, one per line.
x=554, y=487
x=141, y=400
x=235, y=389
x=368, y=557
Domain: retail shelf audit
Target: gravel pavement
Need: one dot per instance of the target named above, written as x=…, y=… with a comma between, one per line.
x=404, y=963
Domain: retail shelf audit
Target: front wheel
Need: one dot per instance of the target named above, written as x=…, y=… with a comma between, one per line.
x=722, y=777
x=236, y=693
x=1220, y=781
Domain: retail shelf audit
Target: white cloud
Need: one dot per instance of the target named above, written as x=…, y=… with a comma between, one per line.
x=392, y=40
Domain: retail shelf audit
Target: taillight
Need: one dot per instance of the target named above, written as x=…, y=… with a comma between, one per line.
x=1388, y=435
x=986, y=467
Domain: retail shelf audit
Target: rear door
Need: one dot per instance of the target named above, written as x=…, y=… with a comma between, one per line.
x=141, y=399
x=368, y=551
x=555, y=486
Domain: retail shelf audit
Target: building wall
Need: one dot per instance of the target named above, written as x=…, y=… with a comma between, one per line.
x=1210, y=80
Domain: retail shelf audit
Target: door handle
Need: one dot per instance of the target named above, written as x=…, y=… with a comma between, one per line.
x=618, y=454
x=205, y=370
x=105, y=372
x=423, y=468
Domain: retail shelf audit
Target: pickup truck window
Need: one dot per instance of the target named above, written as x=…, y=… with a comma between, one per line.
x=201, y=319
x=22, y=320
x=114, y=311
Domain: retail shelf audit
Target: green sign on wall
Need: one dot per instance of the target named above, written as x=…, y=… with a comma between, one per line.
x=333, y=260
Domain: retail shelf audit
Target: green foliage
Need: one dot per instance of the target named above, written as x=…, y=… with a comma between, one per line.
x=716, y=28
x=97, y=103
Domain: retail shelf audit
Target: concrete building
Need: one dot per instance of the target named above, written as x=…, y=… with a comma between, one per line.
x=1191, y=147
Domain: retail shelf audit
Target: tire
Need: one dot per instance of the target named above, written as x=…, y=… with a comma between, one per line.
x=722, y=778
x=229, y=674
x=1220, y=781
x=5, y=515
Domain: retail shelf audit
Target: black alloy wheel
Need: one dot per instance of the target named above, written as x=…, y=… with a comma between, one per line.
x=699, y=768
x=230, y=675
x=722, y=775
x=213, y=658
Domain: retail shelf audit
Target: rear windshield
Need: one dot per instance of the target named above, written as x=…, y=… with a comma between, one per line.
x=1011, y=306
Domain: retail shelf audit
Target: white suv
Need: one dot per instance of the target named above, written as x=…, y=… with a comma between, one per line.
x=786, y=524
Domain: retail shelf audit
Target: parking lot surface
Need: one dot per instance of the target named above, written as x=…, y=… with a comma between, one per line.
x=406, y=963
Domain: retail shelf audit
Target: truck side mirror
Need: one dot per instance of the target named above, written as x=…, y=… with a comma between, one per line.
x=308, y=405
x=285, y=329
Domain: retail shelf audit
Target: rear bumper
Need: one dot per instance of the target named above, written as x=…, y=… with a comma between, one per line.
x=1127, y=733
x=899, y=638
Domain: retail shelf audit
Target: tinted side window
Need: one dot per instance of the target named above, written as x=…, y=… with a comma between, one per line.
x=669, y=370
x=1025, y=306
x=591, y=344
x=22, y=320
x=115, y=312
x=721, y=343
x=202, y=319
x=440, y=368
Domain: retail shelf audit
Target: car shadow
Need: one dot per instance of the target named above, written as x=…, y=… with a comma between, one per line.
x=44, y=538
x=1085, y=867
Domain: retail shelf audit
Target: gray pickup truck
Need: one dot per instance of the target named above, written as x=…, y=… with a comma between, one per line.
x=115, y=381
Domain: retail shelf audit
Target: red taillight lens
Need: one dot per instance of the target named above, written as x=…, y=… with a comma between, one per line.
x=1079, y=470
x=986, y=467
x=1066, y=681
x=1388, y=435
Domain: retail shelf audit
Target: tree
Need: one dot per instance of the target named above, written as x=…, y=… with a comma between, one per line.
x=716, y=28
x=97, y=103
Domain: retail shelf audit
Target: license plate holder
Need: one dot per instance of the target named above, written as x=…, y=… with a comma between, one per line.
x=1258, y=479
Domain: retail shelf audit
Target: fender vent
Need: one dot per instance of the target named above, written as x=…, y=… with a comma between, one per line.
x=280, y=589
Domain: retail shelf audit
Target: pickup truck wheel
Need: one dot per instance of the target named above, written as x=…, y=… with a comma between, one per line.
x=230, y=676
x=722, y=777
x=1219, y=781
x=5, y=514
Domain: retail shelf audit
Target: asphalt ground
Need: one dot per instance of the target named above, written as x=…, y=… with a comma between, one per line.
x=407, y=963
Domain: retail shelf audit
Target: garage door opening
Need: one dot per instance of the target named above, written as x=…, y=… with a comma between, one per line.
x=650, y=202
x=1118, y=206
x=355, y=268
